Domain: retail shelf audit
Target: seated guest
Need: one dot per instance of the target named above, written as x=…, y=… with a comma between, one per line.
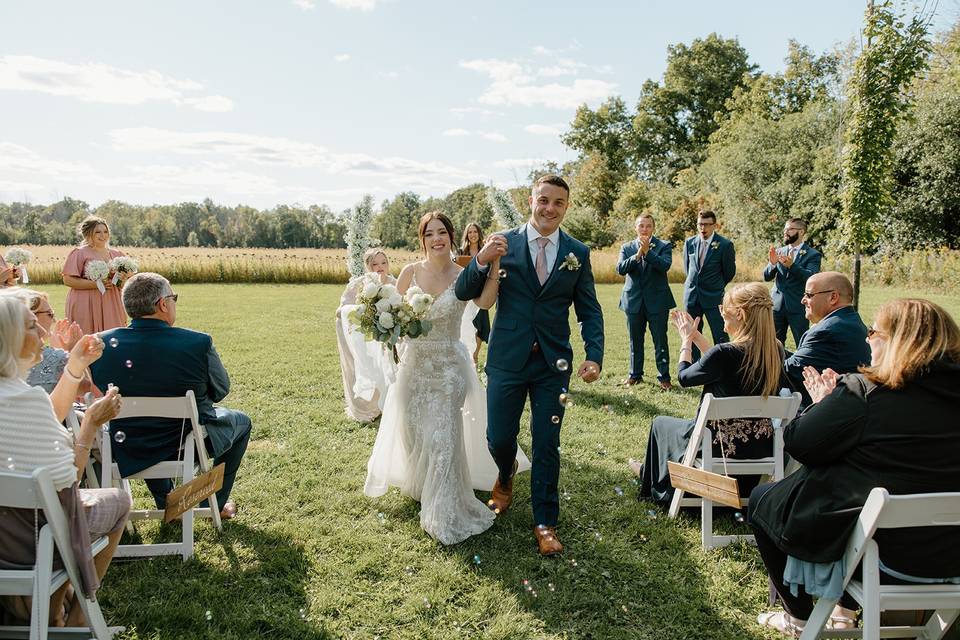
x=61, y=336
x=32, y=437
x=750, y=364
x=151, y=357
x=838, y=339
x=893, y=426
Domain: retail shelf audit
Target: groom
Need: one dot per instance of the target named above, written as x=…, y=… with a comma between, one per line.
x=542, y=271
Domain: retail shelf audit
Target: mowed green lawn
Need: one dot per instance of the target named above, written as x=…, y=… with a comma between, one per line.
x=310, y=557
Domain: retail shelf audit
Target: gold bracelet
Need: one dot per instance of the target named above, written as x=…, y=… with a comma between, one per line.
x=494, y=279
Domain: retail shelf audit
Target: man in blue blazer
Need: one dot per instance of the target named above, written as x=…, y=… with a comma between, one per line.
x=789, y=267
x=646, y=297
x=542, y=271
x=838, y=340
x=151, y=357
x=710, y=262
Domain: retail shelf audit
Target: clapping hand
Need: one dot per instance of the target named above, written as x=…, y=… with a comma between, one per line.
x=493, y=248
x=8, y=275
x=86, y=351
x=644, y=244
x=819, y=385
x=589, y=371
x=64, y=334
x=106, y=408
x=785, y=260
x=774, y=257
x=686, y=325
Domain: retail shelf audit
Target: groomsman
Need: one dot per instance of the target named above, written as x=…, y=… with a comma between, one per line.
x=709, y=260
x=646, y=297
x=790, y=266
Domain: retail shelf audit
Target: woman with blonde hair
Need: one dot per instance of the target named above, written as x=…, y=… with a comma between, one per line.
x=90, y=308
x=365, y=368
x=751, y=364
x=893, y=425
x=31, y=436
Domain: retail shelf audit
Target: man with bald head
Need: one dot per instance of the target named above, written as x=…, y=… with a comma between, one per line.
x=838, y=340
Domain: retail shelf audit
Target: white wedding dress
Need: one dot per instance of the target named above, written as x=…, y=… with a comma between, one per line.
x=432, y=439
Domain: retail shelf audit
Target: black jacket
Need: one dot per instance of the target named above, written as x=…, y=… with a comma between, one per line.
x=864, y=436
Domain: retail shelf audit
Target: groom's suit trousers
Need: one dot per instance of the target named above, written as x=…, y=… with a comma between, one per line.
x=507, y=393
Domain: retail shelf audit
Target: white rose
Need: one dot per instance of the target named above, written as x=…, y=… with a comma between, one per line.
x=370, y=290
x=383, y=305
x=386, y=320
x=396, y=300
x=413, y=291
x=388, y=291
x=421, y=303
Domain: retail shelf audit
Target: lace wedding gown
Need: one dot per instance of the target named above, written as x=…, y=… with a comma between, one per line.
x=432, y=438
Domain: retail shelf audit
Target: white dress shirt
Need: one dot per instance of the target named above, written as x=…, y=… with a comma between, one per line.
x=552, y=247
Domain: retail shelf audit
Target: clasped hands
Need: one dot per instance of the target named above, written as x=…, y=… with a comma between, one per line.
x=819, y=385
x=493, y=249
x=776, y=258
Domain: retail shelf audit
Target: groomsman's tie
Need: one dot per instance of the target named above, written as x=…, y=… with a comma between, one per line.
x=703, y=252
x=541, y=265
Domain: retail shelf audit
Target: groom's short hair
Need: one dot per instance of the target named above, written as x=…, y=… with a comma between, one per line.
x=553, y=179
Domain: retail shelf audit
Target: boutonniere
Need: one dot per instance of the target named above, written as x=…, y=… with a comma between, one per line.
x=714, y=245
x=801, y=252
x=570, y=263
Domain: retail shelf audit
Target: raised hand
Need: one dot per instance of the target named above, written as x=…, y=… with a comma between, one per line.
x=589, y=371
x=493, y=248
x=86, y=351
x=685, y=324
x=785, y=260
x=106, y=408
x=64, y=334
x=644, y=245
x=774, y=257
x=819, y=385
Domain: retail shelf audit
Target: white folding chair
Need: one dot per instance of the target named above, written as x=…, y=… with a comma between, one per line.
x=884, y=511
x=778, y=409
x=74, y=418
x=193, y=452
x=36, y=491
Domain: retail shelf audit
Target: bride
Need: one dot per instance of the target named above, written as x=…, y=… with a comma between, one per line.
x=432, y=438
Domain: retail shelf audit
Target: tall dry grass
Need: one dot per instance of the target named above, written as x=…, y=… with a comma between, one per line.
x=927, y=268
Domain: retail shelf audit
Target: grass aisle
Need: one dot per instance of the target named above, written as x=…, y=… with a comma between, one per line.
x=310, y=557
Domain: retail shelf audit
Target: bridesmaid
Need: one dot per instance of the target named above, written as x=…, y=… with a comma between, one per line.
x=8, y=274
x=86, y=306
x=470, y=244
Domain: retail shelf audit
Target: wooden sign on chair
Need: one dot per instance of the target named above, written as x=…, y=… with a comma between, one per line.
x=706, y=484
x=190, y=494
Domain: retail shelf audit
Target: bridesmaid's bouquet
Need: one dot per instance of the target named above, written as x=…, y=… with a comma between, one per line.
x=19, y=258
x=382, y=314
x=98, y=271
x=122, y=264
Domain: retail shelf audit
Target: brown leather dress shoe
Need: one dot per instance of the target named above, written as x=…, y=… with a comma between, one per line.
x=547, y=540
x=665, y=385
x=629, y=382
x=502, y=494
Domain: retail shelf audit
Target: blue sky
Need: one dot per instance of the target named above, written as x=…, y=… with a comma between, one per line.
x=266, y=102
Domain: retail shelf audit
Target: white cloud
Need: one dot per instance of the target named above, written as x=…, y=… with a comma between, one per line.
x=14, y=157
x=94, y=82
x=342, y=57
x=462, y=112
x=513, y=82
x=456, y=133
x=544, y=129
x=527, y=164
x=306, y=5
x=493, y=136
x=362, y=5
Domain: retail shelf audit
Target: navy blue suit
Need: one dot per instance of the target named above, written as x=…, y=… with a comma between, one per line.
x=788, y=287
x=838, y=341
x=646, y=298
x=704, y=286
x=529, y=337
x=167, y=361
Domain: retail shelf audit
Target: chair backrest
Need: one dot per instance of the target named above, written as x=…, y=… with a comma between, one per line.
x=782, y=407
x=184, y=407
x=19, y=491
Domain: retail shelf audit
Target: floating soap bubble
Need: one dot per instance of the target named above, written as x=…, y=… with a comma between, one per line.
x=476, y=560
x=113, y=342
x=208, y=615
x=562, y=365
x=303, y=614
x=408, y=570
x=550, y=587
x=651, y=513
x=566, y=400
x=10, y=464
x=128, y=364
x=739, y=517
x=502, y=273
x=426, y=603
x=555, y=419
x=119, y=437
x=597, y=535
x=618, y=491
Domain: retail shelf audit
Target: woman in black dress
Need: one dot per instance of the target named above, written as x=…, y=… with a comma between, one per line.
x=470, y=245
x=751, y=364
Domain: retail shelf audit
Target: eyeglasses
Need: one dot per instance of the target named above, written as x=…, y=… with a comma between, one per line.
x=810, y=294
x=45, y=313
x=873, y=332
x=172, y=296
x=706, y=224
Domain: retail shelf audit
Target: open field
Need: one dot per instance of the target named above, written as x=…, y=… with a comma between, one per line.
x=931, y=269
x=310, y=557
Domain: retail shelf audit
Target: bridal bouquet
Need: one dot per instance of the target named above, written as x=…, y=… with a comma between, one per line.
x=98, y=271
x=382, y=314
x=19, y=258
x=122, y=264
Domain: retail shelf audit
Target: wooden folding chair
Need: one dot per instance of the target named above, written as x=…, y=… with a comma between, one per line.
x=778, y=409
x=192, y=452
x=36, y=491
x=884, y=511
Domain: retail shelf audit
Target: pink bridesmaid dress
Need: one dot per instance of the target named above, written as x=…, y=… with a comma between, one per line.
x=90, y=309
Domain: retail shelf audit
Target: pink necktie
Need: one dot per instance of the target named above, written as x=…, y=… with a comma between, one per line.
x=541, y=265
x=703, y=252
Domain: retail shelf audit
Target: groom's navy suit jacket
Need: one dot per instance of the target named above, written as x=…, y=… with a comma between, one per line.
x=528, y=313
